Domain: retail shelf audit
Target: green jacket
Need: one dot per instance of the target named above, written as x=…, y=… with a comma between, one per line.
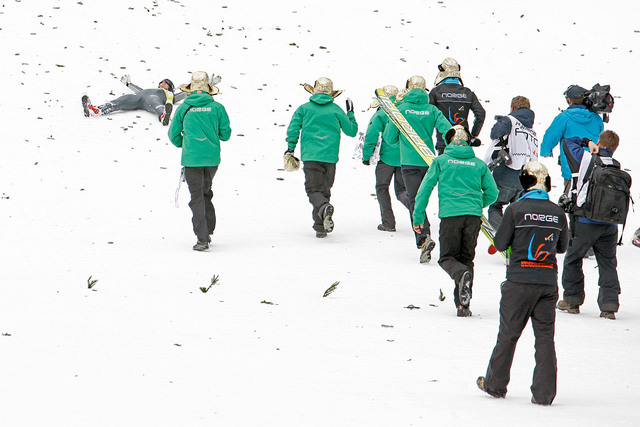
x=465, y=184
x=317, y=124
x=198, y=126
x=389, y=153
x=423, y=118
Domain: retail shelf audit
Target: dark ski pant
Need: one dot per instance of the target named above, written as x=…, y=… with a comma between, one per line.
x=384, y=174
x=412, y=179
x=199, y=180
x=151, y=100
x=458, y=240
x=509, y=188
x=519, y=302
x=318, y=180
x=603, y=238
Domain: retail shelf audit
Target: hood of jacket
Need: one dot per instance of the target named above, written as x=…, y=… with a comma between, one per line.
x=459, y=150
x=198, y=99
x=525, y=116
x=580, y=115
x=416, y=96
x=321, y=98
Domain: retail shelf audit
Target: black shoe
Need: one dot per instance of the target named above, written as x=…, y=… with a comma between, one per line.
x=383, y=227
x=535, y=402
x=166, y=114
x=464, y=289
x=464, y=312
x=480, y=382
x=321, y=234
x=427, y=247
x=201, y=245
x=327, y=212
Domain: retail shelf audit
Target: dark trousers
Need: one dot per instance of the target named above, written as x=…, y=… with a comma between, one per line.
x=521, y=301
x=509, y=187
x=458, y=239
x=151, y=100
x=603, y=238
x=318, y=180
x=384, y=174
x=412, y=179
x=199, y=180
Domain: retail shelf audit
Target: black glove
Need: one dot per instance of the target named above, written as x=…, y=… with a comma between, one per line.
x=288, y=152
x=475, y=142
x=349, y=103
x=365, y=162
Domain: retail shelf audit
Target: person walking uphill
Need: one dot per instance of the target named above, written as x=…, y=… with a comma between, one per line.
x=317, y=124
x=423, y=118
x=198, y=126
x=388, y=167
x=536, y=230
x=465, y=187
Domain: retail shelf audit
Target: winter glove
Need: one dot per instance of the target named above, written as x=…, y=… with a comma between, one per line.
x=349, y=103
x=126, y=79
x=475, y=142
x=366, y=162
x=215, y=79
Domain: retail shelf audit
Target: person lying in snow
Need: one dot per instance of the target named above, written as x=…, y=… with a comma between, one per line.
x=158, y=101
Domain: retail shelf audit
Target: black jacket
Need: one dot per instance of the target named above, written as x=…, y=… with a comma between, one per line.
x=536, y=230
x=455, y=101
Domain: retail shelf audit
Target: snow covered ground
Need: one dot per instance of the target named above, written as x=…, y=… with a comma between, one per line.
x=93, y=199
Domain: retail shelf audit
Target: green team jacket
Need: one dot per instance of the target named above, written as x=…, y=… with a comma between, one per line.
x=198, y=126
x=389, y=153
x=423, y=118
x=465, y=184
x=318, y=123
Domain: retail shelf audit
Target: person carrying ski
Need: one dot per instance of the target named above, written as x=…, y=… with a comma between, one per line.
x=388, y=167
x=158, y=101
x=575, y=121
x=199, y=125
x=423, y=118
x=317, y=124
x=536, y=231
x=587, y=233
x=465, y=187
x=455, y=101
x=513, y=144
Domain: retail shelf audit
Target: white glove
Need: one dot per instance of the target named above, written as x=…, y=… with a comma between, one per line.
x=126, y=79
x=215, y=79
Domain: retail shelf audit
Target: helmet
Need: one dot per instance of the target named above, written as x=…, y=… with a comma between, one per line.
x=535, y=176
x=169, y=83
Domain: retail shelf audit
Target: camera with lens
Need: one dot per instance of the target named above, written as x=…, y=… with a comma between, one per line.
x=566, y=203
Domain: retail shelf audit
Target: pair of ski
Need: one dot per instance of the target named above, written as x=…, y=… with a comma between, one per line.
x=425, y=152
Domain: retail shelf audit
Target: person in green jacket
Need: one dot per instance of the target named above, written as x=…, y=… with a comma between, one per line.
x=465, y=187
x=388, y=167
x=317, y=124
x=423, y=118
x=198, y=126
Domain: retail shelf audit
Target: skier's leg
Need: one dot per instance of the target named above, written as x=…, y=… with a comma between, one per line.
x=384, y=173
x=153, y=101
x=210, y=210
x=543, y=321
x=314, y=186
x=514, y=314
x=195, y=180
x=505, y=195
x=124, y=103
x=572, y=275
x=412, y=180
x=605, y=250
x=470, y=231
x=400, y=189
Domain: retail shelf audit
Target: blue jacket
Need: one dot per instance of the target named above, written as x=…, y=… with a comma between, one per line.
x=575, y=121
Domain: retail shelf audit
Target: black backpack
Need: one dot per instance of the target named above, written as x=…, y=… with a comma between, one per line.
x=608, y=194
